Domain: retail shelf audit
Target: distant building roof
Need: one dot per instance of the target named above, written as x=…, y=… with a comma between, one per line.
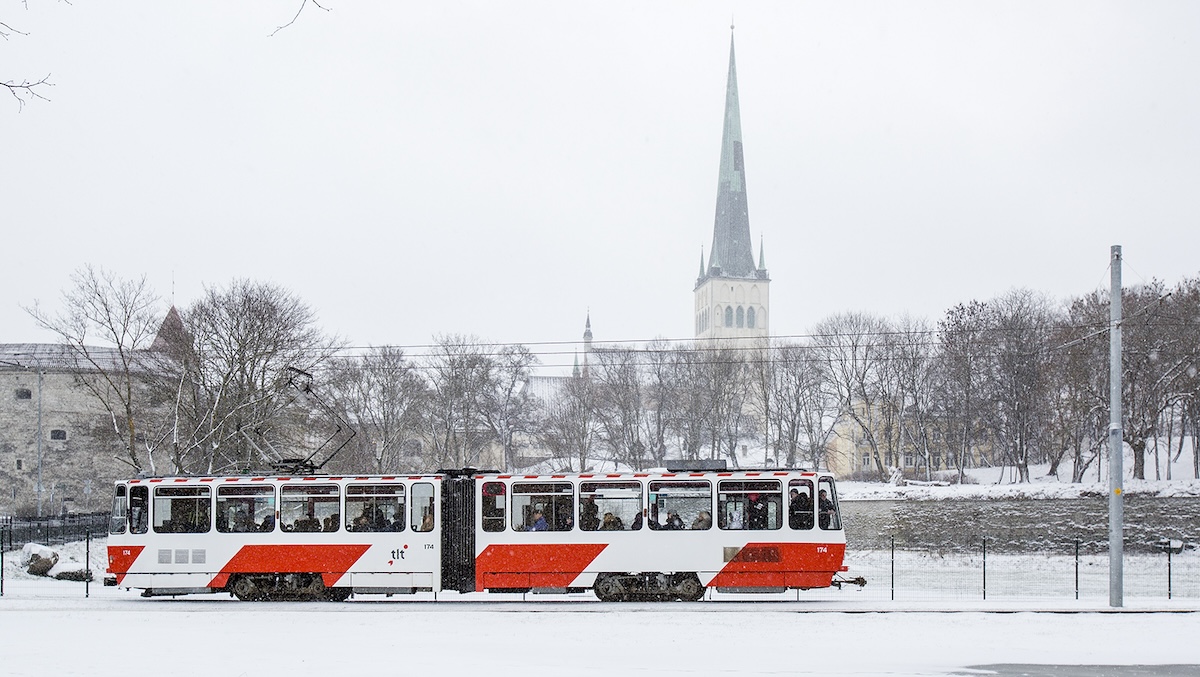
x=52, y=357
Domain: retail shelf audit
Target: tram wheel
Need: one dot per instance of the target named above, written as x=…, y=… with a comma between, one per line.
x=337, y=594
x=243, y=588
x=689, y=589
x=608, y=589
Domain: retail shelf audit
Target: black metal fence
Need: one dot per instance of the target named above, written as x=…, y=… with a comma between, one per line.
x=15, y=533
x=1058, y=573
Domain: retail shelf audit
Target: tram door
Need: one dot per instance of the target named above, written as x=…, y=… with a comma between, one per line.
x=458, y=533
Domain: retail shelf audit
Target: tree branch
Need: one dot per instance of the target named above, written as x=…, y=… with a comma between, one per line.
x=303, y=3
x=24, y=90
x=6, y=30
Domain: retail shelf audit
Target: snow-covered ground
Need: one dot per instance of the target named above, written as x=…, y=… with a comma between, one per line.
x=1000, y=483
x=116, y=634
x=1039, y=489
x=938, y=624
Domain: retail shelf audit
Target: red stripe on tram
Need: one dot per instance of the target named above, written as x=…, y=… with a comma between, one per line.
x=121, y=557
x=329, y=560
x=549, y=565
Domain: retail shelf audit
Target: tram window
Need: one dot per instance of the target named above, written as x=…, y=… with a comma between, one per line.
x=493, y=506
x=800, y=504
x=543, y=506
x=827, y=508
x=422, y=506
x=243, y=508
x=680, y=505
x=749, y=504
x=139, y=510
x=374, y=507
x=120, y=506
x=610, y=506
x=182, y=510
x=310, y=507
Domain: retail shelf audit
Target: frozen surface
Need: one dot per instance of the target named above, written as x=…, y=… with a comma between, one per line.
x=214, y=636
x=937, y=628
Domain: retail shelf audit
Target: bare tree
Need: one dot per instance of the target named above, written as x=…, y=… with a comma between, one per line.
x=507, y=408
x=230, y=370
x=459, y=370
x=1079, y=402
x=850, y=347
x=1018, y=380
x=107, y=323
x=726, y=389
x=569, y=427
x=661, y=398
x=1186, y=316
x=24, y=90
x=382, y=394
x=1155, y=362
x=688, y=416
x=762, y=374
x=913, y=364
x=619, y=403
x=806, y=410
x=964, y=349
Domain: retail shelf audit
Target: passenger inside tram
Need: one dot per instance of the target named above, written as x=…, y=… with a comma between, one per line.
x=589, y=514
x=826, y=509
x=537, y=522
x=800, y=511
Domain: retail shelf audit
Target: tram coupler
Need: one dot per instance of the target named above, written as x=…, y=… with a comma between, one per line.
x=838, y=582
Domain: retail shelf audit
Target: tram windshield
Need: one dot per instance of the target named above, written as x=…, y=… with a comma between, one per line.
x=828, y=516
x=116, y=524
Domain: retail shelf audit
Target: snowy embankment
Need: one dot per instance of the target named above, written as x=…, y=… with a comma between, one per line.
x=982, y=484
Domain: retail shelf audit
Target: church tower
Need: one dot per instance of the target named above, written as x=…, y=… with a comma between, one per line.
x=731, y=293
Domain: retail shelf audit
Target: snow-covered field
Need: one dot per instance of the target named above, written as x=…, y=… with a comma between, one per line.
x=117, y=634
x=47, y=627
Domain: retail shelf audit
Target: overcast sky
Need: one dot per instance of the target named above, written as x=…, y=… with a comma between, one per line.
x=498, y=168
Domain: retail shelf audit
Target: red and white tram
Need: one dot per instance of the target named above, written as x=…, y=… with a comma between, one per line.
x=645, y=535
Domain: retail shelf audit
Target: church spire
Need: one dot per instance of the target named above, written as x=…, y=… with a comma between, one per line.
x=731, y=245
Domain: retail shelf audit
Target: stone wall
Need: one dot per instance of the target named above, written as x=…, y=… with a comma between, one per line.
x=77, y=472
x=1017, y=525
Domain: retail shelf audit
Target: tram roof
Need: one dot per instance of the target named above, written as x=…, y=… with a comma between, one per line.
x=477, y=474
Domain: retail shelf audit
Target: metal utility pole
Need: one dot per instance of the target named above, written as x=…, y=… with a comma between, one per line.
x=1116, y=452
x=41, y=376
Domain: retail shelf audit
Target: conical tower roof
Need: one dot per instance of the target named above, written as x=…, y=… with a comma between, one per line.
x=731, y=245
